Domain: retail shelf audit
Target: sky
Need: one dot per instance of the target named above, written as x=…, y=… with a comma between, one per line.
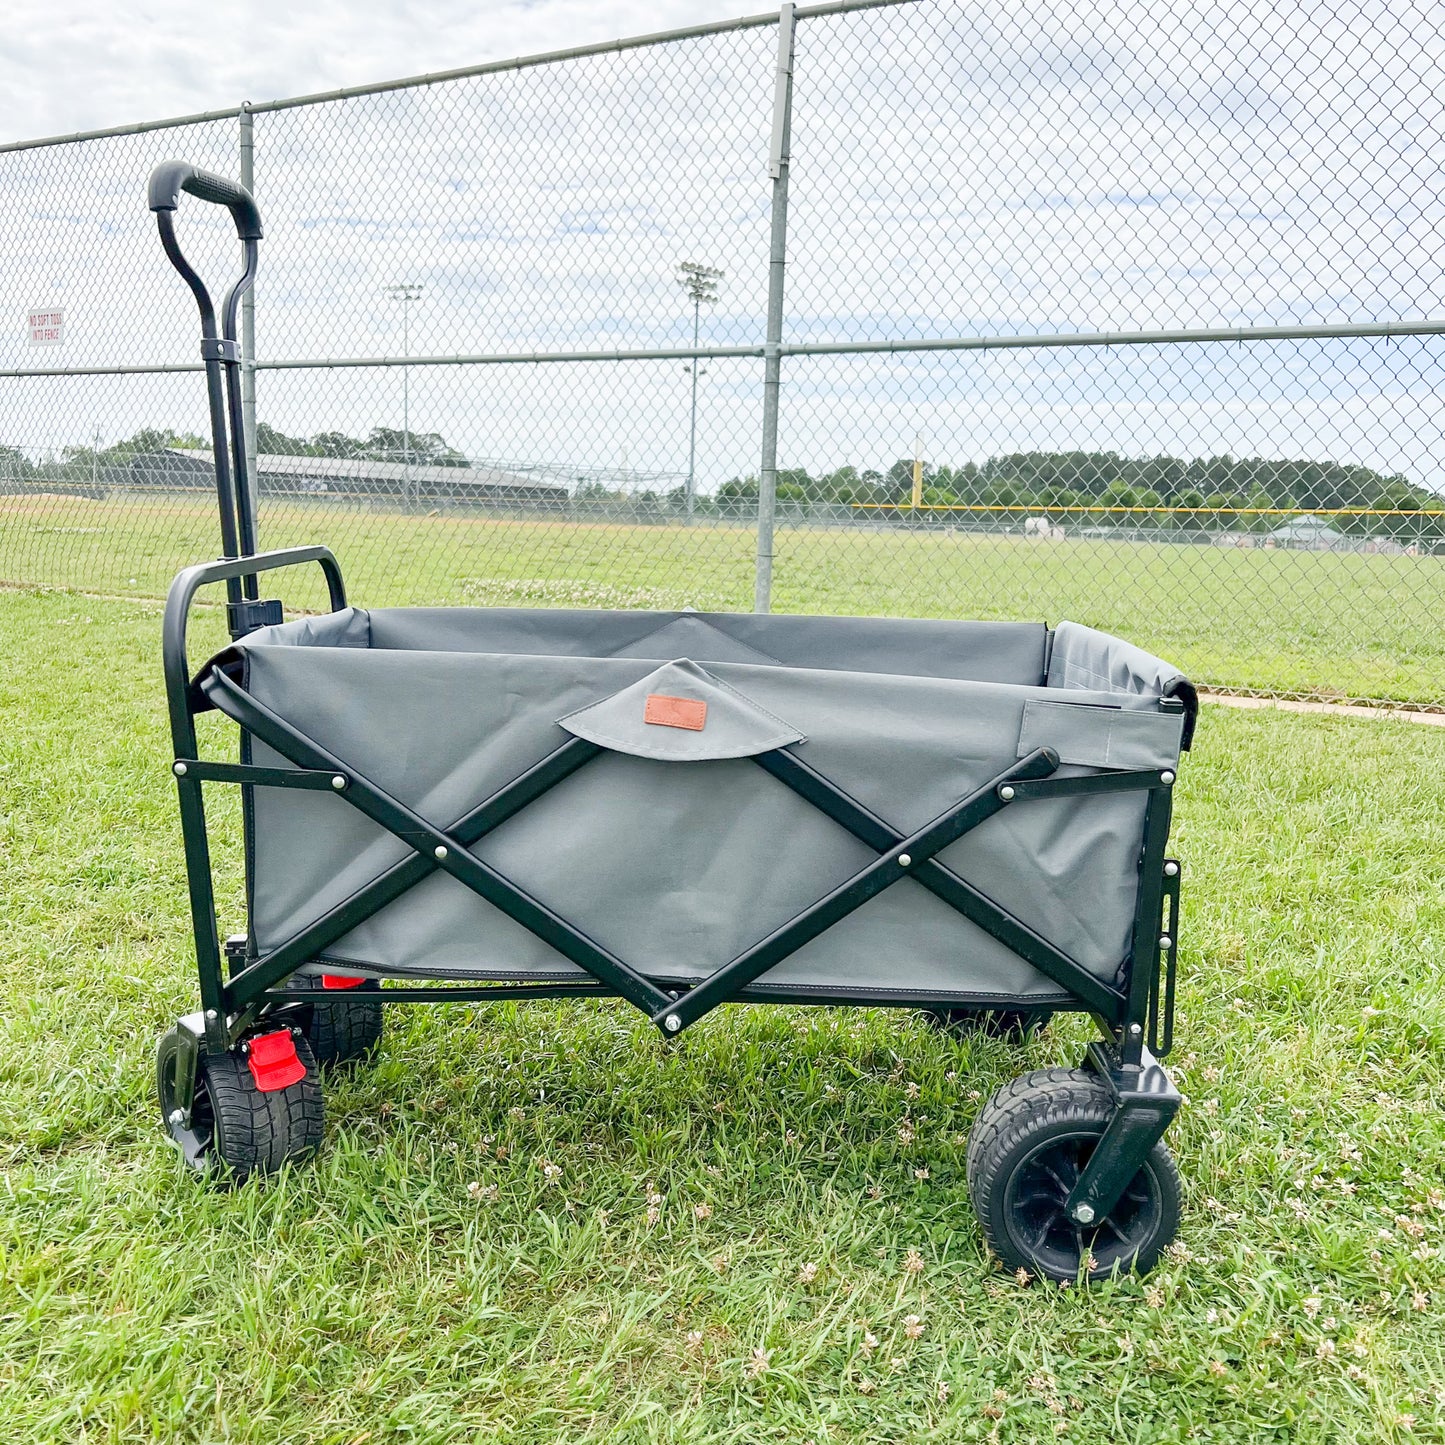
x=69, y=65
x=961, y=168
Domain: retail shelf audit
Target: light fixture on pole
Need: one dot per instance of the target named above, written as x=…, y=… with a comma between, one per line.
x=406, y=292
x=700, y=283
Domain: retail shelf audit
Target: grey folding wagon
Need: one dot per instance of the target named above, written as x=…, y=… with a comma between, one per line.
x=681, y=809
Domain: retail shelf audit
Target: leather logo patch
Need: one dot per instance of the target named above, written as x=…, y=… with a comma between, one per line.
x=674, y=712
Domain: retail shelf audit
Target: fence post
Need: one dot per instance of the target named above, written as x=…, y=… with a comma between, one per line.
x=773, y=338
x=247, y=124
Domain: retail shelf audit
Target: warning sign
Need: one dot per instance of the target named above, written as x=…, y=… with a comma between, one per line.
x=47, y=328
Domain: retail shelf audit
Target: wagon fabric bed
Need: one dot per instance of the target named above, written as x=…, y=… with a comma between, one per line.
x=683, y=810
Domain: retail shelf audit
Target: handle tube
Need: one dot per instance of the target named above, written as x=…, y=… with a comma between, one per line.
x=234, y=492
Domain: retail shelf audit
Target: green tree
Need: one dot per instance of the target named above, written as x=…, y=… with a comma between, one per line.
x=1193, y=519
x=273, y=443
x=15, y=466
x=335, y=444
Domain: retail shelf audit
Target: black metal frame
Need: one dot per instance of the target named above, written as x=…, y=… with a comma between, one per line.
x=1135, y=1010
x=240, y=987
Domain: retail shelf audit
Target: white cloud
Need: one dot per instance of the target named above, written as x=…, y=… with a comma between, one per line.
x=70, y=65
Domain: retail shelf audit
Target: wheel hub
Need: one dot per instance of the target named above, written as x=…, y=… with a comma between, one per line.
x=1038, y=1218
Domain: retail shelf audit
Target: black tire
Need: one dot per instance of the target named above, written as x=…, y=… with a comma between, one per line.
x=345, y=1029
x=236, y=1130
x=1012, y=1024
x=1027, y=1147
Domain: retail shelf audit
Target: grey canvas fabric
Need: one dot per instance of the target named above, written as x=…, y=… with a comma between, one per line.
x=1083, y=658
x=674, y=858
x=973, y=651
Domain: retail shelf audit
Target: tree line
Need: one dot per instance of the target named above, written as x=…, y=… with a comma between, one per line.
x=1109, y=488
x=1129, y=487
x=78, y=464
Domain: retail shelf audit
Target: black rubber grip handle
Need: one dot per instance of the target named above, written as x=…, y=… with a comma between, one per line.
x=170, y=178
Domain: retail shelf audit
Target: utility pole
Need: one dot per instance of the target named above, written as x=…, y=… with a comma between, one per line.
x=406, y=292
x=700, y=283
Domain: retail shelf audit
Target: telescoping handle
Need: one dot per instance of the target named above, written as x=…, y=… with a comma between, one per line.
x=170, y=178
x=221, y=352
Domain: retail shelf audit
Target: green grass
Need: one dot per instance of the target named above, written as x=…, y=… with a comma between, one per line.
x=1303, y=623
x=377, y=1297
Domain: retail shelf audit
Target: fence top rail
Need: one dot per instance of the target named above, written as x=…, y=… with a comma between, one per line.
x=1025, y=341
x=462, y=72
x=1048, y=508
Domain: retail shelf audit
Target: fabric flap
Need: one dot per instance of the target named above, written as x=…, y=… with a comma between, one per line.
x=1102, y=737
x=681, y=713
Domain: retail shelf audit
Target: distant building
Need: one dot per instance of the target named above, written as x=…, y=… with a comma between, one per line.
x=1041, y=529
x=1311, y=534
x=186, y=469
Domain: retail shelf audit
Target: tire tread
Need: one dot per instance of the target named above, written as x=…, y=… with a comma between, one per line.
x=343, y=1029
x=256, y=1132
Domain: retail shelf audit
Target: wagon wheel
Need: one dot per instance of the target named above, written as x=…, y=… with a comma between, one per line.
x=237, y=1129
x=1013, y=1024
x=1028, y=1146
x=345, y=1028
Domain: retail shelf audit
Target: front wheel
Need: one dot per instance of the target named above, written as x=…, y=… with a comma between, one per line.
x=236, y=1128
x=1027, y=1149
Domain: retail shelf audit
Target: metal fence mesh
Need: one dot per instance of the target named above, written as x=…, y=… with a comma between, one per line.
x=987, y=169
x=1077, y=311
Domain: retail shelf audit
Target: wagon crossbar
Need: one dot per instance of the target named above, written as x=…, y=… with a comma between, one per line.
x=945, y=884
x=449, y=850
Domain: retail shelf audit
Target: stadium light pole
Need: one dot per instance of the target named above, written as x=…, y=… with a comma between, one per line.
x=701, y=283
x=406, y=292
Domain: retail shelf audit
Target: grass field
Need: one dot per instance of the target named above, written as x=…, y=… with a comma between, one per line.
x=1324, y=624
x=759, y=1235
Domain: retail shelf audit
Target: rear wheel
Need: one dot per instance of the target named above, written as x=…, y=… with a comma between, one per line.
x=1027, y=1149
x=346, y=1028
x=1012, y=1024
x=236, y=1129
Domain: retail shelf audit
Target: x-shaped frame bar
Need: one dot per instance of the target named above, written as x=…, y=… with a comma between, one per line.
x=900, y=857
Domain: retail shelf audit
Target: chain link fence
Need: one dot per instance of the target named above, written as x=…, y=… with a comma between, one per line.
x=1113, y=312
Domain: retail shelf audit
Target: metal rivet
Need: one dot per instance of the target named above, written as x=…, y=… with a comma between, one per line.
x=904, y=860
x=1166, y=777
x=177, y=1116
x=1135, y=1030
x=180, y=769
x=211, y=1015
x=1084, y=1214
x=1006, y=794
x=1165, y=940
x=440, y=850
x=338, y=782
x=1171, y=870
x=672, y=1023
